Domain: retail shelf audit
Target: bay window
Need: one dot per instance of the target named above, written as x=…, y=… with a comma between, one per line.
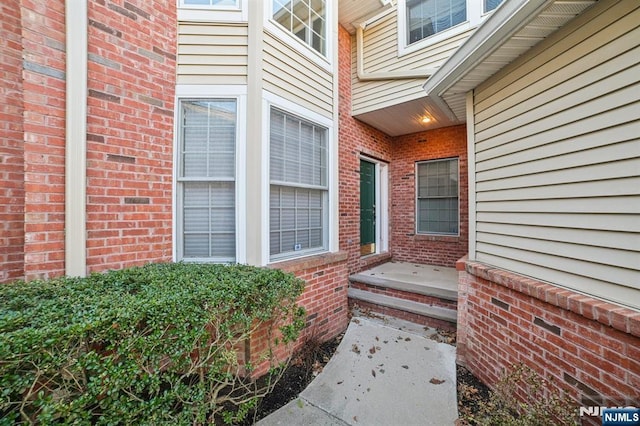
x=298, y=185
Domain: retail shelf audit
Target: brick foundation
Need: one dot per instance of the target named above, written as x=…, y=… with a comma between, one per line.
x=324, y=298
x=586, y=346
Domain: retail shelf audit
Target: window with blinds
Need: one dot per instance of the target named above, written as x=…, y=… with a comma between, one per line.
x=298, y=178
x=206, y=180
x=428, y=17
x=437, y=201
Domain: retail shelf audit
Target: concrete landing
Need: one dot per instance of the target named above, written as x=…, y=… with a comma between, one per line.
x=438, y=281
x=383, y=373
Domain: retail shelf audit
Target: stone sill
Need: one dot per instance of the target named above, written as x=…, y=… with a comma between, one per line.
x=435, y=237
x=309, y=262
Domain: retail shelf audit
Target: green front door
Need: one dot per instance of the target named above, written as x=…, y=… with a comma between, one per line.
x=367, y=207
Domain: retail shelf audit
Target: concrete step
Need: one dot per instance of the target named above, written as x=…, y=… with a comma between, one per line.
x=434, y=289
x=422, y=309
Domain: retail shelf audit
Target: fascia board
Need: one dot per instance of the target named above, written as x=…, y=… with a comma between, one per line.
x=507, y=20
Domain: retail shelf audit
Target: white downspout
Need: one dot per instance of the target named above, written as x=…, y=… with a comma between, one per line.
x=76, y=132
x=382, y=75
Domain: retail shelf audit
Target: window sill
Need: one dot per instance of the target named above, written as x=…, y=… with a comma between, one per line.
x=308, y=262
x=193, y=14
x=436, y=237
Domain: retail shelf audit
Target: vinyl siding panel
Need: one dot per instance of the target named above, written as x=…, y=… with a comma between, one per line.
x=381, y=54
x=292, y=75
x=557, y=148
x=212, y=53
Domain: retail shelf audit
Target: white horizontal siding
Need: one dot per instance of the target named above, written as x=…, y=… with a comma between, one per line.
x=381, y=55
x=557, y=148
x=290, y=74
x=212, y=54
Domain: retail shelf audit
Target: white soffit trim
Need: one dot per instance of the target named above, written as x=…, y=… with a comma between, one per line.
x=508, y=19
x=482, y=55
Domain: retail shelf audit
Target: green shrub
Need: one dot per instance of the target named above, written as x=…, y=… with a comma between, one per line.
x=159, y=344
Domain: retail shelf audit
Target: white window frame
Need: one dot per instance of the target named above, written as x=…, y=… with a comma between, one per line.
x=271, y=100
x=417, y=189
x=484, y=9
x=239, y=94
x=202, y=13
x=475, y=15
x=278, y=31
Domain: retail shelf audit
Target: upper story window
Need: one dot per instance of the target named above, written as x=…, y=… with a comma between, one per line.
x=209, y=2
x=422, y=23
x=306, y=19
x=212, y=10
x=428, y=17
x=489, y=5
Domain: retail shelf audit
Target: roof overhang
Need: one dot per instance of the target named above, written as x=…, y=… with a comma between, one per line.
x=354, y=12
x=512, y=29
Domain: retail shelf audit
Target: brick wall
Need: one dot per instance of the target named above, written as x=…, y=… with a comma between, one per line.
x=324, y=298
x=406, y=245
x=401, y=153
x=131, y=82
x=11, y=146
x=43, y=84
x=588, y=347
x=356, y=138
x=131, y=73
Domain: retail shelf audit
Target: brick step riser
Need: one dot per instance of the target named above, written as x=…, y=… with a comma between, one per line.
x=405, y=295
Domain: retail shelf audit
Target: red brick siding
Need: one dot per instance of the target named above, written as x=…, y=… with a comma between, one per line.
x=584, y=345
x=131, y=72
x=11, y=146
x=406, y=245
x=43, y=84
x=324, y=298
x=356, y=138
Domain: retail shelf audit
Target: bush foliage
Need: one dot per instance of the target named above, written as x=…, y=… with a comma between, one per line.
x=159, y=344
x=523, y=398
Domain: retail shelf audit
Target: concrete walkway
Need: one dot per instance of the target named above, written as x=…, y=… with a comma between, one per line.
x=384, y=372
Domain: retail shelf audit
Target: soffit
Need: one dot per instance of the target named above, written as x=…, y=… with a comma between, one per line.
x=481, y=57
x=406, y=118
x=351, y=12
